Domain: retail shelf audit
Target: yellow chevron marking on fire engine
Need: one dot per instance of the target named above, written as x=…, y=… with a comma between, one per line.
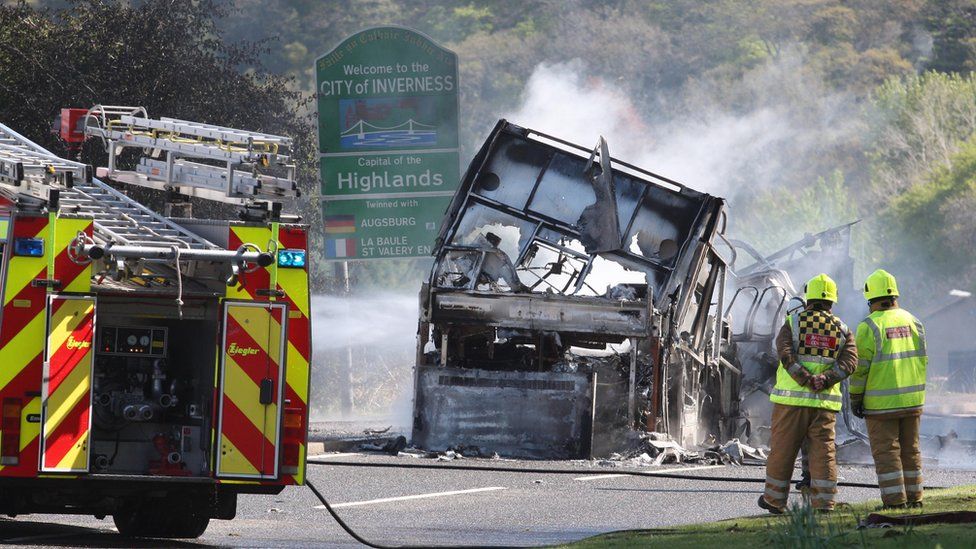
x=244, y=393
x=260, y=237
x=67, y=231
x=40, y=233
x=22, y=348
x=302, y=456
x=77, y=456
x=29, y=430
x=262, y=327
x=270, y=424
x=294, y=282
x=66, y=320
x=232, y=460
x=297, y=372
x=74, y=388
x=21, y=272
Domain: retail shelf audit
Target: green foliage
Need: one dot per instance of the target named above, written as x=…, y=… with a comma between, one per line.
x=841, y=527
x=952, y=24
x=919, y=200
x=805, y=528
x=933, y=224
x=917, y=124
x=455, y=23
x=169, y=57
x=788, y=214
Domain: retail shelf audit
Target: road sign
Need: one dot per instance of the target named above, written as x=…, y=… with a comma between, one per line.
x=388, y=142
x=383, y=228
x=358, y=176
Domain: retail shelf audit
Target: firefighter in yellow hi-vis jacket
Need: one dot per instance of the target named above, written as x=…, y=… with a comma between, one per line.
x=888, y=390
x=816, y=352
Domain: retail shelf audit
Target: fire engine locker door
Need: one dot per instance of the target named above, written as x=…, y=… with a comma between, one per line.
x=67, y=385
x=251, y=373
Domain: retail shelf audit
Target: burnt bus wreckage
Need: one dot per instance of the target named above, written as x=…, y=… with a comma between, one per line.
x=575, y=300
x=764, y=289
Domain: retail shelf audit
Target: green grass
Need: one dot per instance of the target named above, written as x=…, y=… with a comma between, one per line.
x=804, y=529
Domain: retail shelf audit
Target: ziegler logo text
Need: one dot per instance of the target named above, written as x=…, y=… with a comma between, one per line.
x=75, y=344
x=234, y=350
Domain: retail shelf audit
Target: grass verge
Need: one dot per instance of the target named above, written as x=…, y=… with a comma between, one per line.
x=803, y=528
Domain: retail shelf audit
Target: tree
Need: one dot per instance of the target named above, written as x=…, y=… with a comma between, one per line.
x=168, y=56
x=952, y=24
x=917, y=124
x=932, y=227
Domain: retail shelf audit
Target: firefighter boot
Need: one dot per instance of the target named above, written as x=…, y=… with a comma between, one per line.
x=771, y=508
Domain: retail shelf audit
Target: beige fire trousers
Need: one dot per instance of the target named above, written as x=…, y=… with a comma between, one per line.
x=897, y=458
x=791, y=426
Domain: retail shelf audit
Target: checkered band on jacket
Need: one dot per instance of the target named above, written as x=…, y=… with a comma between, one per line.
x=820, y=334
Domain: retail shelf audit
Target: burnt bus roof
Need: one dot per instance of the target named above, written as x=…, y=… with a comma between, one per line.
x=552, y=189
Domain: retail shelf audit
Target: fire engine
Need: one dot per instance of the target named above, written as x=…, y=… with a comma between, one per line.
x=152, y=367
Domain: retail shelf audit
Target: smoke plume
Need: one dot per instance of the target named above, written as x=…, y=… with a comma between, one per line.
x=775, y=135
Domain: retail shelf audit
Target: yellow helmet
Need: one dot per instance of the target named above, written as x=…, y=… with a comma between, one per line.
x=880, y=283
x=821, y=287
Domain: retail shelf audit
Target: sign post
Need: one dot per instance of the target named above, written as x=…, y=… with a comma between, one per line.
x=388, y=143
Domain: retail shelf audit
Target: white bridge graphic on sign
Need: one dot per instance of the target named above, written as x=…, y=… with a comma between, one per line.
x=409, y=133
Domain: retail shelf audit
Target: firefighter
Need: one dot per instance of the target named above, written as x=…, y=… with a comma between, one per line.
x=816, y=352
x=888, y=390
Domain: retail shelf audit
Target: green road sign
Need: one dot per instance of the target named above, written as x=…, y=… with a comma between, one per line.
x=406, y=172
x=383, y=228
x=388, y=131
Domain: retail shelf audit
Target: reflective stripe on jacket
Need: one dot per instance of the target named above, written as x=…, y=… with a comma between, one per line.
x=891, y=362
x=818, y=337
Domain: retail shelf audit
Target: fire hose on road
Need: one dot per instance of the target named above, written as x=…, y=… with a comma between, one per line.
x=499, y=469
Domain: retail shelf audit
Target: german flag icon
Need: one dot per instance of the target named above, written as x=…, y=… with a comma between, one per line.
x=340, y=224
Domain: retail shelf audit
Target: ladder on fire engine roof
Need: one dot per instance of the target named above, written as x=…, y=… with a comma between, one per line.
x=202, y=160
x=29, y=174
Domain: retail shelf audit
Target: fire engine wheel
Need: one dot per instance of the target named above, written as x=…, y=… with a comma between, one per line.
x=162, y=521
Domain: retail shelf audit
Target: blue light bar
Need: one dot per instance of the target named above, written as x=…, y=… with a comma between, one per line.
x=291, y=259
x=29, y=247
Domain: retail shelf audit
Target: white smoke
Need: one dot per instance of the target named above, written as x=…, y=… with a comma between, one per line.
x=364, y=347
x=787, y=122
x=376, y=320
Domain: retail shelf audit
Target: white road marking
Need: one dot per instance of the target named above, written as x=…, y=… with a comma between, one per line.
x=673, y=470
x=418, y=496
x=327, y=456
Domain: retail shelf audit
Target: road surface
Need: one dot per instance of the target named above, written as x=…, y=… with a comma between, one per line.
x=450, y=507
